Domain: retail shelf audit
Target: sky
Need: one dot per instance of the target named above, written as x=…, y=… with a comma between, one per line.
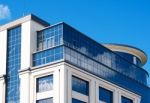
x=106, y=21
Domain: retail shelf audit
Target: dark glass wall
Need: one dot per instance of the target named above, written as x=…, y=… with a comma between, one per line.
x=13, y=65
x=130, y=58
x=81, y=43
x=92, y=57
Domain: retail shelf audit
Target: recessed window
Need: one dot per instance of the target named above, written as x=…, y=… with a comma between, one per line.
x=80, y=85
x=48, y=100
x=45, y=84
x=77, y=101
x=126, y=100
x=105, y=96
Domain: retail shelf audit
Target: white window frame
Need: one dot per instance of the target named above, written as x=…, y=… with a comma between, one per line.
x=107, y=87
x=77, y=95
x=46, y=94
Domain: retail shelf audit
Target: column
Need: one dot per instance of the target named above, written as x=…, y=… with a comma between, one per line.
x=116, y=96
x=92, y=92
x=25, y=86
x=63, y=85
x=3, y=51
x=69, y=97
x=56, y=86
x=2, y=89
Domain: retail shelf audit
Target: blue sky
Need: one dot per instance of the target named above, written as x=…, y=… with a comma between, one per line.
x=106, y=21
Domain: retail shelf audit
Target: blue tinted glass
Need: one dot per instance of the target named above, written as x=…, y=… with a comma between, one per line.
x=47, y=56
x=45, y=83
x=49, y=37
x=105, y=95
x=130, y=57
x=126, y=100
x=13, y=65
x=48, y=100
x=81, y=43
x=87, y=64
x=80, y=85
x=76, y=101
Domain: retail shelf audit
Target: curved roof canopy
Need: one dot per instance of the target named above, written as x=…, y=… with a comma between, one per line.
x=128, y=49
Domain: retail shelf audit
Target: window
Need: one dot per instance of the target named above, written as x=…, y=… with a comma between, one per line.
x=13, y=65
x=49, y=37
x=77, y=101
x=126, y=100
x=45, y=84
x=80, y=85
x=47, y=56
x=48, y=100
x=105, y=96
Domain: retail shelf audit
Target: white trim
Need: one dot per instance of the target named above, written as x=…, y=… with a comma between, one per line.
x=79, y=96
x=44, y=95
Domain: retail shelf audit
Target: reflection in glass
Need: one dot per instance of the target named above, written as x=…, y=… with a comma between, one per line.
x=105, y=96
x=48, y=100
x=13, y=65
x=80, y=85
x=45, y=83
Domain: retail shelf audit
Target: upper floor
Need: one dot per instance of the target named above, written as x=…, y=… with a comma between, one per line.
x=61, y=41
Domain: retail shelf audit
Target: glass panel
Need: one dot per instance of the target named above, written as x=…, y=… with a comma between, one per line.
x=105, y=96
x=47, y=56
x=81, y=43
x=77, y=101
x=49, y=37
x=126, y=100
x=49, y=100
x=13, y=65
x=105, y=72
x=45, y=83
x=80, y=85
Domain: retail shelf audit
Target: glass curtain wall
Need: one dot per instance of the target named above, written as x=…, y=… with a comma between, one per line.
x=13, y=65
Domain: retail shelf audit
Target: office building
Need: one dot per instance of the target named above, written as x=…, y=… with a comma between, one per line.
x=43, y=63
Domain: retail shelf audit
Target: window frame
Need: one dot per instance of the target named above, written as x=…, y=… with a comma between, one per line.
x=126, y=98
x=46, y=94
x=106, y=90
x=82, y=79
x=37, y=90
x=78, y=95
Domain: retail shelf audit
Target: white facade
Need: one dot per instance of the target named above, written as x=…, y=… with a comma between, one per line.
x=62, y=91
